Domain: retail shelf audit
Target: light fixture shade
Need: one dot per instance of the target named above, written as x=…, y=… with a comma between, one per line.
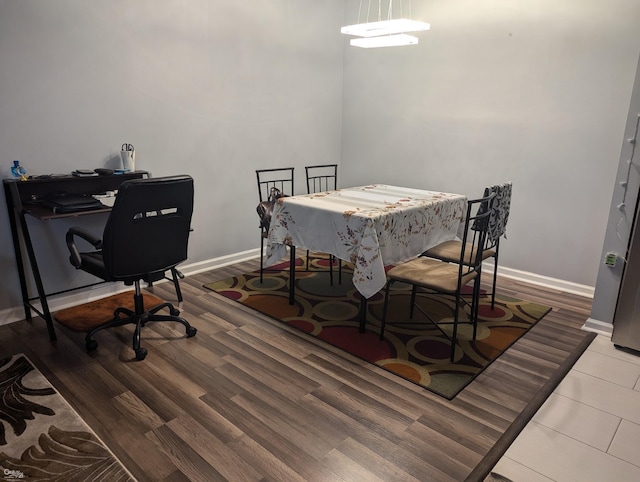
x=385, y=27
x=384, y=41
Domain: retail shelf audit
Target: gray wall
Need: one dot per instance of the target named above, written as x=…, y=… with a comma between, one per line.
x=211, y=88
x=536, y=92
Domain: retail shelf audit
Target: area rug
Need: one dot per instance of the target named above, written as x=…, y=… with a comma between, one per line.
x=42, y=437
x=416, y=351
x=86, y=316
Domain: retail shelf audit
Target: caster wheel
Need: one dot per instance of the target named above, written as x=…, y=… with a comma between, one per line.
x=91, y=345
x=191, y=331
x=175, y=311
x=141, y=353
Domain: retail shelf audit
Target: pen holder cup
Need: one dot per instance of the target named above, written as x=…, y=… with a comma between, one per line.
x=128, y=160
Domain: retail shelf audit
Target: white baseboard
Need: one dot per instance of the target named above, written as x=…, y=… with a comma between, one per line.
x=221, y=262
x=536, y=279
x=597, y=326
x=60, y=302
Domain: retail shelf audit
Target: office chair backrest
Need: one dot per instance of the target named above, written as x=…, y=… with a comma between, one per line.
x=322, y=178
x=280, y=178
x=148, y=229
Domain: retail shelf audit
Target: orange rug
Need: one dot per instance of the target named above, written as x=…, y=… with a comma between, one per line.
x=89, y=315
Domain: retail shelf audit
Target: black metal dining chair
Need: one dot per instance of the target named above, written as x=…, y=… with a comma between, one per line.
x=500, y=207
x=320, y=178
x=433, y=276
x=271, y=182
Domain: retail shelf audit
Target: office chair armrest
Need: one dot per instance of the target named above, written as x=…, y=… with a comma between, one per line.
x=71, y=245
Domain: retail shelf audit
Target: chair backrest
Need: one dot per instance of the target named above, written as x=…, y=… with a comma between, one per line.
x=322, y=177
x=503, y=199
x=280, y=178
x=499, y=207
x=476, y=229
x=148, y=229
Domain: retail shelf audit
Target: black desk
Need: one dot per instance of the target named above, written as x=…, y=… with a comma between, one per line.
x=22, y=199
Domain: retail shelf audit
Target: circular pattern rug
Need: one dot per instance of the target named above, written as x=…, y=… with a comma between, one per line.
x=413, y=348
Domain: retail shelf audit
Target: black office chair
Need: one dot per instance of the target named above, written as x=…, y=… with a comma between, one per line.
x=146, y=235
x=280, y=179
x=320, y=178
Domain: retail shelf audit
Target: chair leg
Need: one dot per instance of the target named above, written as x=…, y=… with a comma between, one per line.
x=495, y=275
x=362, y=314
x=332, y=261
x=454, y=335
x=384, y=309
x=292, y=274
x=495, y=278
x=331, y=270
x=261, y=257
x=88, y=339
x=412, y=303
x=475, y=305
x=176, y=276
x=121, y=310
x=141, y=353
x=172, y=309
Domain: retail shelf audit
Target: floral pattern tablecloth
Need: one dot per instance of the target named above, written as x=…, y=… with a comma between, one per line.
x=369, y=226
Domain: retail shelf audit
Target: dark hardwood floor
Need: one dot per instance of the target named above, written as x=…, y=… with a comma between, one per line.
x=250, y=399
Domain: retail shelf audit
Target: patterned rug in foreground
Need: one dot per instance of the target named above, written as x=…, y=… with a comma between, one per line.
x=415, y=351
x=42, y=437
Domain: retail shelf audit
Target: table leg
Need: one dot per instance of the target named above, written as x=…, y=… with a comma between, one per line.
x=363, y=314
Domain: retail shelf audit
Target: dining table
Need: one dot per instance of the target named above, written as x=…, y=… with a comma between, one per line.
x=370, y=226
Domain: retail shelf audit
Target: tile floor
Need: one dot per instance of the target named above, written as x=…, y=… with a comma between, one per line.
x=588, y=429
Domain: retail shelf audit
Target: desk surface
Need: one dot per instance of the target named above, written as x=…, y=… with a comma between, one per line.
x=370, y=226
x=24, y=196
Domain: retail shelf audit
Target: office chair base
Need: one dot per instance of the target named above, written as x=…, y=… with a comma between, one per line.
x=91, y=345
x=140, y=320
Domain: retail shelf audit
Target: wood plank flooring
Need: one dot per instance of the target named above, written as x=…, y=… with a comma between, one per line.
x=249, y=399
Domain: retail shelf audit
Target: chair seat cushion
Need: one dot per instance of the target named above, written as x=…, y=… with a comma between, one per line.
x=431, y=274
x=450, y=251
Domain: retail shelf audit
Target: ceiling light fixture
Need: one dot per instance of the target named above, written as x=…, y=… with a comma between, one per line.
x=384, y=41
x=384, y=33
x=384, y=27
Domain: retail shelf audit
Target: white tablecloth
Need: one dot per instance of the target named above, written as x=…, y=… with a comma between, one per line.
x=369, y=226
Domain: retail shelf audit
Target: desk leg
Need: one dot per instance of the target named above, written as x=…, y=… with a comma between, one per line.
x=20, y=262
x=363, y=314
x=38, y=280
x=292, y=274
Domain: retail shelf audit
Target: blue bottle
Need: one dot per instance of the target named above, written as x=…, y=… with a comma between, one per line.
x=18, y=172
